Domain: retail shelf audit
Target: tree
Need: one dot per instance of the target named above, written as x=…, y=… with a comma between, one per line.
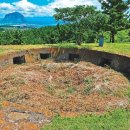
x=6, y=37
x=117, y=11
x=17, y=38
x=97, y=22
x=76, y=17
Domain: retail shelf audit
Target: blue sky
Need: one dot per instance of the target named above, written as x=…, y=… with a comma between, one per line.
x=38, y=2
x=39, y=8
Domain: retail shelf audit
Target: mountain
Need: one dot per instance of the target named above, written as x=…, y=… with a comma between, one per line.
x=17, y=19
x=14, y=18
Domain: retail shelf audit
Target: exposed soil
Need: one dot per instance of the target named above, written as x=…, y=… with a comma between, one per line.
x=31, y=94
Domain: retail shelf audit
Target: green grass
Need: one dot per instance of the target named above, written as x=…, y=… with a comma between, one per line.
x=116, y=120
x=117, y=48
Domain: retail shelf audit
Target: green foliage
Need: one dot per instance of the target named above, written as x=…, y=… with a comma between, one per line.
x=82, y=24
x=45, y=35
x=120, y=37
x=116, y=120
x=118, y=16
x=71, y=90
x=17, y=38
x=1, y=29
x=83, y=19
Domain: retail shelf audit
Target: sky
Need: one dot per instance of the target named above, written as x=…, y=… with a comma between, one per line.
x=39, y=8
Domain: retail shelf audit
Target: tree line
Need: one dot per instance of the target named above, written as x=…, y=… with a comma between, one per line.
x=80, y=24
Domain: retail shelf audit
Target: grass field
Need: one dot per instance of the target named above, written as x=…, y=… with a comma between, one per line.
x=117, y=48
x=117, y=120
x=4, y=49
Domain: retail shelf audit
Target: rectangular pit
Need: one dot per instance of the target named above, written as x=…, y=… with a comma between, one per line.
x=74, y=57
x=105, y=62
x=19, y=60
x=45, y=56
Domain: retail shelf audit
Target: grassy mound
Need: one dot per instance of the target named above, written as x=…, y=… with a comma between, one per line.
x=66, y=89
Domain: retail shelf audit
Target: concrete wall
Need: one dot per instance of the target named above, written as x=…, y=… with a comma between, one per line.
x=117, y=62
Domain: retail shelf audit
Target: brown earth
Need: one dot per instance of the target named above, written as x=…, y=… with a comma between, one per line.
x=32, y=94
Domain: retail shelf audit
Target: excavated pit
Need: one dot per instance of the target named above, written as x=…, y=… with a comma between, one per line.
x=74, y=57
x=19, y=60
x=105, y=62
x=45, y=56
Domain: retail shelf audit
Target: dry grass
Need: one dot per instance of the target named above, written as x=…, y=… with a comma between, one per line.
x=14, y=48
x=64, y=87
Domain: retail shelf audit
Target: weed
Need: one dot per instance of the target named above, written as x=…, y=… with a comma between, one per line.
x=89, y=83
x=64, y=96
x=71, y=90
x=18, y=82
x=87, y=90
x=89, y=80
x=51, y=88
x=128, y=92
x=107, y=79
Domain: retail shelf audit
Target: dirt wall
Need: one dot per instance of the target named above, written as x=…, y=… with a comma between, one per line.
x=117, y=62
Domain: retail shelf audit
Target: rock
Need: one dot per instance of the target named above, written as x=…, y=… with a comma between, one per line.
x=15, y=116
x=37, y=118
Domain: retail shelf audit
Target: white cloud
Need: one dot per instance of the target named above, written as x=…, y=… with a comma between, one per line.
x=70, y=3
x=30, y=9
x=5, y=6
x=24, y=5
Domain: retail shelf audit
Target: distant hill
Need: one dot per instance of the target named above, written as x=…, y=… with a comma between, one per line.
x=14, y=18
x=17, y=18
